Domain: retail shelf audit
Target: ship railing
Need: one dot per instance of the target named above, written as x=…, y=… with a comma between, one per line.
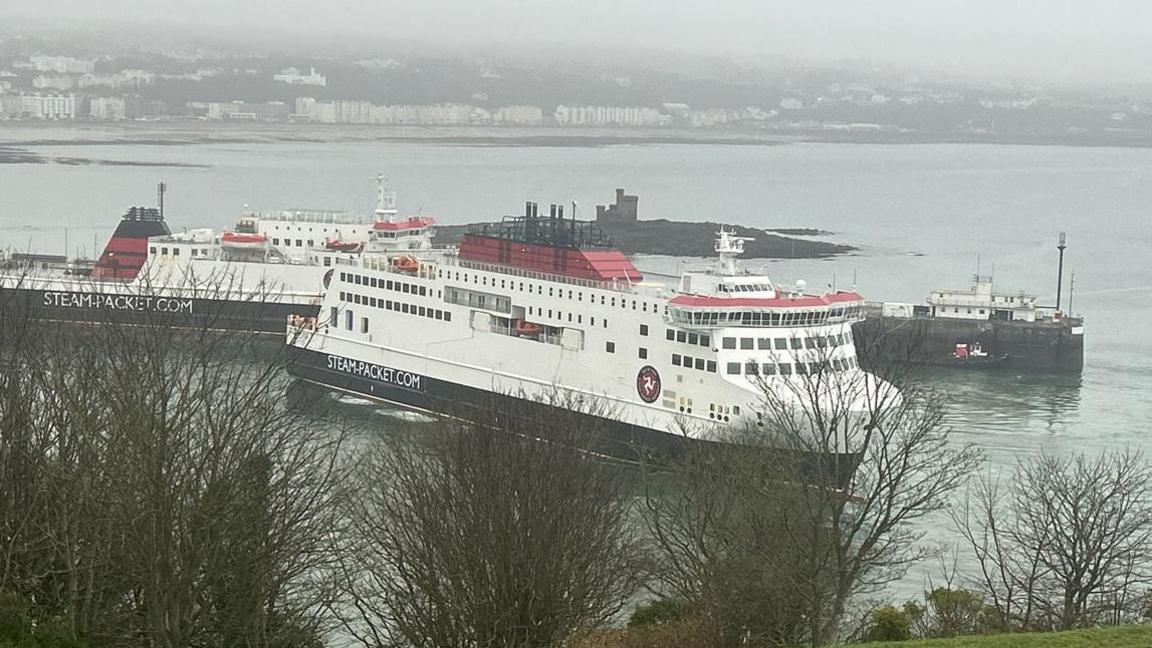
x=322, y=216
x=617, y=285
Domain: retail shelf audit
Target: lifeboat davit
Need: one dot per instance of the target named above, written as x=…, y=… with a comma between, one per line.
x=405, y=264
x=243, y=241
x=524, y=328
x=337, y=245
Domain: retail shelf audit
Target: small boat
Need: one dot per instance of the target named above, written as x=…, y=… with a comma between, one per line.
x=337, y=245
x=405, y=264
x=972, y=355
x=524, y=328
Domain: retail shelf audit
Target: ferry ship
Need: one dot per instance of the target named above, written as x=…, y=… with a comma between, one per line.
x=248, y=278
x=534, y=307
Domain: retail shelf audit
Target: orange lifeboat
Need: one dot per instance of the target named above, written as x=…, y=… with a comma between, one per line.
x=243, y=240
x=524, y=328
x=336, y=245
x=405, y=264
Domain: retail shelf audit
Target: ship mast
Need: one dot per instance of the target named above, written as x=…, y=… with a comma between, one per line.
x=385, y=202
x=728, y=247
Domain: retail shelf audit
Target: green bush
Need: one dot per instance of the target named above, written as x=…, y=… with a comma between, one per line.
x=657, y=612
x=18, y=628
x=889, y=624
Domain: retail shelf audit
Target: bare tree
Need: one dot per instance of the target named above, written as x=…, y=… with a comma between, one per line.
x=857, y=458
x=487, y=535
x=1068, y=544
x=168, y=496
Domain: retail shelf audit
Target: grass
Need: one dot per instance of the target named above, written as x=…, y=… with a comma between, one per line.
x=1136, y=636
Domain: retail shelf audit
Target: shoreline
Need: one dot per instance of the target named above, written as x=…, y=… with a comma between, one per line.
x=27, y=134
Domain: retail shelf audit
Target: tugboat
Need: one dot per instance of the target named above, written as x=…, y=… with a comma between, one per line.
x=973, y=356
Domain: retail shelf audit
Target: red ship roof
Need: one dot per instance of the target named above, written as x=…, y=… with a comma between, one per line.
x=604, y=264
x=803, y=301
x=415, y=222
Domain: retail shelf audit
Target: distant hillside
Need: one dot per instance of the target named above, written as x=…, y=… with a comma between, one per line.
x=690, y=240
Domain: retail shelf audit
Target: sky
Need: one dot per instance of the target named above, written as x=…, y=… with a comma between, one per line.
x=1098, y=41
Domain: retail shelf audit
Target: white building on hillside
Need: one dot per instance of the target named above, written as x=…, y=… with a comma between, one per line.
x=293, y=76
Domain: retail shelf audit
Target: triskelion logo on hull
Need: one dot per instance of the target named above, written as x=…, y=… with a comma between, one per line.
x=648, y=384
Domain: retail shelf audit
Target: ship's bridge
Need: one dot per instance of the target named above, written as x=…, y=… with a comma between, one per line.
x=725, y=296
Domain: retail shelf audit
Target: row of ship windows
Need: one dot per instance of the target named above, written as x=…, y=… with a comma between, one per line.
x=288, y=242
x=689, y=362
x=176, y=251
x=388, y=304
x=812, y=342
x=681, y=336
x=539, y=312
x=578, y=295
x=788, y=368
x=386, y=284
x=695, y=317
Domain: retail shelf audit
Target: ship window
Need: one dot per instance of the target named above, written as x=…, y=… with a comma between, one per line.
x=801, y=368
x=592, y=320
x=276, y=241
x=333, y=316
x=569, y=317
x=752, y=369
x=363, y=324
x=763, y=343
x=670, y=334
x=768, y=369
x=712, y=366
x=681, y=336
x=633, y=304
x=746, y=343
x=299, y=243
x=785, y=368
x=605, y=322
x=404, y=287
x=311, y=243
x=348, y=320
x=796, y=343
x=423, y=291
x=152, y=250
x=687, y=360
x=676, y=359
x=734, y=368
x=176, y=252
x=579, y=319
x=421, y=311
x=781, y=343
x=610, y=347
x=643, y=329
x=643, y=353
x=549, y=313
x=700, y=363
x=821, y=342
x=729, y=343
x=693, y=338
x=613, y=304
x=388, y=304
x=550, y=292
x=447, y=316
x=705, y=340
x=327, y=261
x=810, y=343
x=164, y=251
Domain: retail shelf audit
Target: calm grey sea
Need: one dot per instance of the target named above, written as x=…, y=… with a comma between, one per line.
x=924, y=216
